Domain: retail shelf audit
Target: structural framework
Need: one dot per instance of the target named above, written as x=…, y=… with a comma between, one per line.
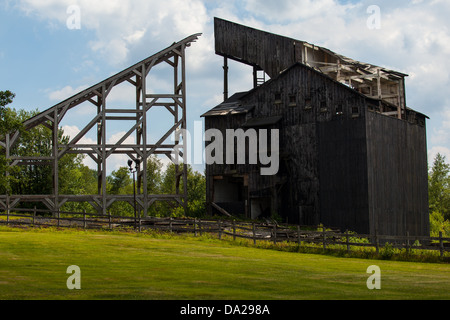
x=97, y=95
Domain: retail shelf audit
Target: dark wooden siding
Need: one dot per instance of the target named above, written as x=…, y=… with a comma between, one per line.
x=343, y=174
x=271, y=52
x=340, y=164
x=397, y=176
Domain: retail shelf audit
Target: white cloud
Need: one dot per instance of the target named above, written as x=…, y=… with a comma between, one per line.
x=65, y=93
x=120, y=25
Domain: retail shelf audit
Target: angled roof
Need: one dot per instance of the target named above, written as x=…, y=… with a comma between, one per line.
x=230, y=106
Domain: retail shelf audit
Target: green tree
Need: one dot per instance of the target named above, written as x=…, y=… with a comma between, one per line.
x=9, y=123
x=439, y=187
x=74, y=177
x=196, y=191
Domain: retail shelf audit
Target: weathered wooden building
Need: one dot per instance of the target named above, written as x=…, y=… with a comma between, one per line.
x=352, y=155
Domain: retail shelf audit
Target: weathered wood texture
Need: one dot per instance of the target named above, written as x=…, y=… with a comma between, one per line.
x=336, y=156
x=397, y=176
x=270, y=52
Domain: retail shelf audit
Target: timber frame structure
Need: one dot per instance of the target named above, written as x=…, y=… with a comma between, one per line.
x=174, y=102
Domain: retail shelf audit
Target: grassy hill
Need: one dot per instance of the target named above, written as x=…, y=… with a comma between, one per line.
x=33, y=265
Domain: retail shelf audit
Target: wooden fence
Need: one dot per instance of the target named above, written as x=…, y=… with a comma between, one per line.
x=254, y=231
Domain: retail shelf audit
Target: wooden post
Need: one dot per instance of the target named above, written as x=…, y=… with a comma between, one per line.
x=170, y=225
x=225, y=78
x=195, y=227
x=234, y=229
x=58, y=217
x=441, y=244
x=377, y=242
x=34, y=215
x=200, y=227
x=324, y=238
x=298, y=236
x=84, y=219
x=7, y=210
x=220, y=229
x=347, y=241
x=109, y=220
x=254, y=233
x=407, y=243
x=275, y=234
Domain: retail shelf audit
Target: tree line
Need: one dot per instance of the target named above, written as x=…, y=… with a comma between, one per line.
x=75, y=178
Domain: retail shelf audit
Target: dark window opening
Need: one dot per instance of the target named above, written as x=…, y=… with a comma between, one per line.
x=277, y=97
x=308, y=104
x=292, y=100
x=323, y=106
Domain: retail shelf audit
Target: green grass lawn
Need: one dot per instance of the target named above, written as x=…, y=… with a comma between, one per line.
x=115, y=265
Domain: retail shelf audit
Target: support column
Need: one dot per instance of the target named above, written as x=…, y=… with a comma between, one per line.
x=184, y=125
x=225, y=78
x=55, y=164
x=103, y=150
x=144, y=143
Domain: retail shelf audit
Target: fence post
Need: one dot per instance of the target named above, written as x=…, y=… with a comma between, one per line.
x=441, y=244
x=34, y=215
x=298, y=236
x=195, y=227
x=324, y=238
x=347, y=241
x=220, y=229
x=170, y=225
x=7, y=210
x=408, y=245
x=234, y=230
x=377, y=243
x=275, y=234
x=200, y=227
x=84, y=219
x=58, y=217
x=254, y=233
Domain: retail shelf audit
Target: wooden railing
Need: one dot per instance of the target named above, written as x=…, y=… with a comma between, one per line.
x=254, y=231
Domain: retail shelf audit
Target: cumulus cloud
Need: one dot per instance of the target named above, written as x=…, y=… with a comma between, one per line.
x=120, y=25
x=64, y=93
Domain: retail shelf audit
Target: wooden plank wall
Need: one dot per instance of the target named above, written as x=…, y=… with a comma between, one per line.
x=315, y=110
x=398, y=185
x=271, y=52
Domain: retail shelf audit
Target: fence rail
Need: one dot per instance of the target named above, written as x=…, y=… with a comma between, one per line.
x=254, y=231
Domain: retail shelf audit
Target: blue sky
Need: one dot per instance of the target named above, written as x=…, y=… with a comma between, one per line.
x=44, y=62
